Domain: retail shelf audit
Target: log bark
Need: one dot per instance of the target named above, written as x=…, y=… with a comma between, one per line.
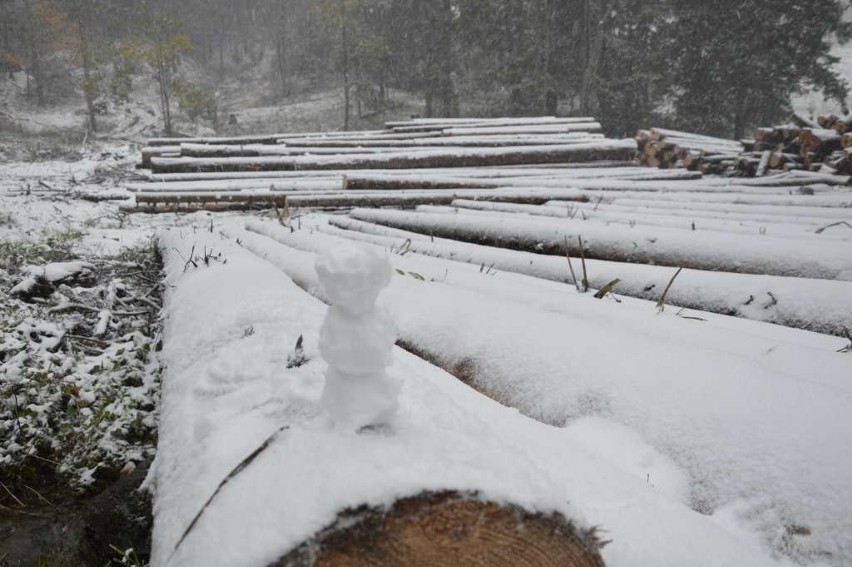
x=447, y=529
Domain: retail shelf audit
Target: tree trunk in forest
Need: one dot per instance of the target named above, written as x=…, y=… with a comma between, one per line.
x=38, y=77
x=739, y=115
x=162, y=79
x=446, y=48
x=88, y=85
x=587, y=57
x=280, y=57
x=345, y=47
x=544, y=60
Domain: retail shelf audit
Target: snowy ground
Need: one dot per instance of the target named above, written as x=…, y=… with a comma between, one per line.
x=80, y=297
x=79, y=320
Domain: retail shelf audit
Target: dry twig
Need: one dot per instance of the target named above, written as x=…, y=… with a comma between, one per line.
x=583, y=260
x=607, y=288
x=661, y=304
x=231, y=475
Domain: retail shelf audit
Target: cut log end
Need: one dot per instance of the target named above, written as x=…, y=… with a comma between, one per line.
x=444, y=529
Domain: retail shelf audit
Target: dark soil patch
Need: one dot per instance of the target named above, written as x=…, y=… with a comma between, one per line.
x=59, y=529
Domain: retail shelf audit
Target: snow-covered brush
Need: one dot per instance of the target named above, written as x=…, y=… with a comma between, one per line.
x=42, y=281
x=207, y=257
x=78, y=366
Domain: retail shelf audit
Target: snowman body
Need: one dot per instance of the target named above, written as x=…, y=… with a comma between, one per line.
x=356, y=338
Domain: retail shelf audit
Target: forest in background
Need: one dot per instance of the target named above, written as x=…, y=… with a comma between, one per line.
x=719, y=67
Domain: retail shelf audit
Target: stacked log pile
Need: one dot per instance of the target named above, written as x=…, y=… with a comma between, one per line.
x=801, y=144
x=665, y=149
x=413, y=144
x=819, y=145
x=434, y=161
x=450, y=156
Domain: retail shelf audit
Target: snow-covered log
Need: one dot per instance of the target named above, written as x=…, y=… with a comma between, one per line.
x=441, y=123
x=607, y=149
x=157, y=151
x=253, y=150
x=666, y=246
x=476, y=130
x=312, y=183
x=799, y=228
x=248, y=139
x=471, y=141
x=542, y=177
x=666, y=134
x=162, y=201
x=742, y=211
x=169, y=177
x=841, y=200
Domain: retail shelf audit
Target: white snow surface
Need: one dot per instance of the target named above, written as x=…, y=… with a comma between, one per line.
x=756, y=416
x=226, y=390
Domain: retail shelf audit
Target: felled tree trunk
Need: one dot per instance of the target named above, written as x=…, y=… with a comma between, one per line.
x=447, y=529
x=236, y=201
x=603, y=150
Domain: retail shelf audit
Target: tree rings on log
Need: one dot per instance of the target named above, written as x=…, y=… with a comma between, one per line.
x=448, y=529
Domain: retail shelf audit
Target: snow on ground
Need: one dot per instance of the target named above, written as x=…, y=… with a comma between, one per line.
x=78, y=286
x=227, y=389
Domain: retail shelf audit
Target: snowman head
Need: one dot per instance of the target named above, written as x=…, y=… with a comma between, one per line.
x=352, y=276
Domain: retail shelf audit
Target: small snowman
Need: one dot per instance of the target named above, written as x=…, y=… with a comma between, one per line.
x=357, y=338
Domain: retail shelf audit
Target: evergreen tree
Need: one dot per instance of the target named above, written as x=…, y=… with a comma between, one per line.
x=736, y=65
